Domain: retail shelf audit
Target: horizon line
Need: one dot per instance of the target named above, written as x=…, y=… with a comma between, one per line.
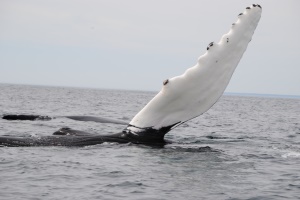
x=225, y=93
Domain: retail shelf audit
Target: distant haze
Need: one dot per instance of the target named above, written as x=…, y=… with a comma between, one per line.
x=136, y=44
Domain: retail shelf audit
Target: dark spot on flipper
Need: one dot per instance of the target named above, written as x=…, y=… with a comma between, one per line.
x=248, y=8
x=258, y=5
x=240, y=14
x=210, y=45
x=227, y=40
x=254, y=5
x=166, y=82
x=233, y=24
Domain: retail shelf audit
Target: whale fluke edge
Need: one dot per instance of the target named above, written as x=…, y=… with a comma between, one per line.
x=181, y=98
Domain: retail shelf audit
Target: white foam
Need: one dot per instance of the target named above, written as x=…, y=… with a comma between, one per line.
x=291, y=154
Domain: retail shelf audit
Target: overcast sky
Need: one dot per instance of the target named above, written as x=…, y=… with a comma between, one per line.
x=136, y=44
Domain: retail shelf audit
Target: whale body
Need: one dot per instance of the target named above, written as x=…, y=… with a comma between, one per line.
x=181, y=98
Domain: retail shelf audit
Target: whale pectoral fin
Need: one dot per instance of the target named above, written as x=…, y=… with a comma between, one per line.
x=72, y=132
x=96, y=119
x=191, y=94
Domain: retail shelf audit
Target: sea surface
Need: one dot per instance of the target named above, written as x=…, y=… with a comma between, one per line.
x=244, y=147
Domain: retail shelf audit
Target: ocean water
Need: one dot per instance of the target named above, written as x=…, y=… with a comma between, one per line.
x=242, y=148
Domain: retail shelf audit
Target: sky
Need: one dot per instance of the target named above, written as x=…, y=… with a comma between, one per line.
x=136, y=45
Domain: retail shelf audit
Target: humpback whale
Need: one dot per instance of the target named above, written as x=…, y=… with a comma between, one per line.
x=181, y=98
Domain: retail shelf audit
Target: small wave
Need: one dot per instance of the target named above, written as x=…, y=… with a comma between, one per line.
x=191, y=149
x=216, y=137
x=34, y=135
x=126, y=184
x=291, y=155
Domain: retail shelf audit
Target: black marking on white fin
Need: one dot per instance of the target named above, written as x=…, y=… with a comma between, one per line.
x=256, y=5
x=149, y=131
x=210, y=45
x=166, y=82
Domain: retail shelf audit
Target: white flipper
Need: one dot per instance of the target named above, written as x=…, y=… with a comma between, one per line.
x=191, y=94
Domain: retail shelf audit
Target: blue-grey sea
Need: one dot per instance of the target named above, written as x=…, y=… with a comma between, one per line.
x=252, y=149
